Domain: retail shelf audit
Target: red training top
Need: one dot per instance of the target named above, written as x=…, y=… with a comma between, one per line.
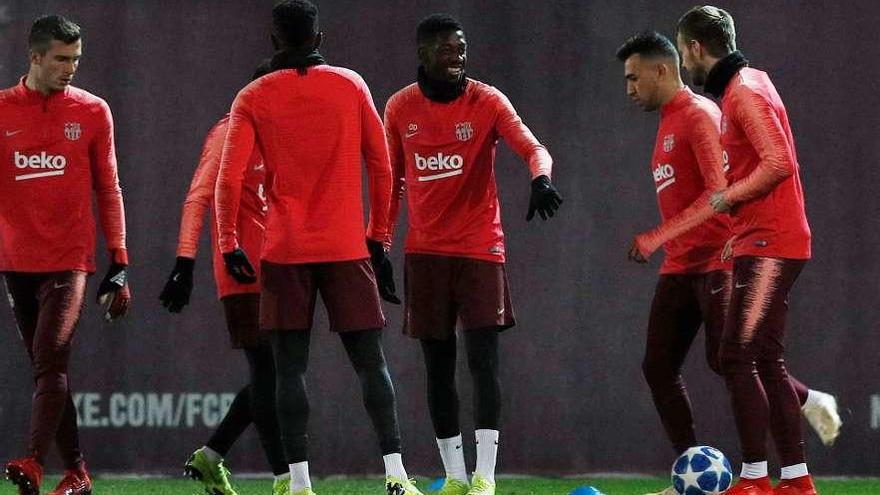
x=200, y=198
x=57, y=149
x=443, y=155
x=762, y=171
x=312, y=127
x=687, y=169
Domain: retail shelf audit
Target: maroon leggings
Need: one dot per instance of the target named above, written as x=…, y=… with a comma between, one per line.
x=752, y=359
x=682, y=303
x=47, y=307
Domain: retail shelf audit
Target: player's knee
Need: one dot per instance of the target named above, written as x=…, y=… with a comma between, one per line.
x=657, y=372
x=734, y=358
x=714, y=362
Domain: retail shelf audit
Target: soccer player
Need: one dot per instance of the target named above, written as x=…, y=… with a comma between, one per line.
x=312, y=124
x=241, y=304
x=765, y=201
x=695, y=283
x=442, y=133
x=57, y=141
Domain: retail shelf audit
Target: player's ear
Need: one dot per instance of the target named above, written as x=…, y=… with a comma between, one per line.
x=319, y=38
x=423, y=54
x=35, y=57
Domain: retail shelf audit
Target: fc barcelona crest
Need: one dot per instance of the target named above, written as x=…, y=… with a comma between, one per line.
x=72, y=130
x=668, y=142
x=464, y=131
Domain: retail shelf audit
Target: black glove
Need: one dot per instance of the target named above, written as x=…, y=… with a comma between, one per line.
x=113, y=292
x=179, y=286
x=545, y=198
x=238, y=266
x=384, y=271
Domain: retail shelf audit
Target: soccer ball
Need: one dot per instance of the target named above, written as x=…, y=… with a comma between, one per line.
x=701, y=471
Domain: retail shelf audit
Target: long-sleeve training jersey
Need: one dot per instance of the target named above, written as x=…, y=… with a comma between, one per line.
x=762, y=170
x=200, y=199
x=686, y=167
x=443, y=156
x=312, y=127
x=57, y=150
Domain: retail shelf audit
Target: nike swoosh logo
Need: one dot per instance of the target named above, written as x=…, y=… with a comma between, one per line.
x=12, y=133
x=716, y=291
x=60, y=286
x=410, y=134
x=176, y=277
x=457, y=447
x=259, y=167
x=740, y=286
x=500, y=311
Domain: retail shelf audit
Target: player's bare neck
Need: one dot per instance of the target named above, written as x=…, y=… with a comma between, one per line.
x=33, y=83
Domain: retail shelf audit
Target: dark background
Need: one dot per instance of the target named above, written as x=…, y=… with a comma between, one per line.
x=574, y=397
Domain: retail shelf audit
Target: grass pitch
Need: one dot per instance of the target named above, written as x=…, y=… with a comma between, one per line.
x=506, y=486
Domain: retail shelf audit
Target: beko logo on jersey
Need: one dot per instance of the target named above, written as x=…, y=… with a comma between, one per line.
x=664, y=176
x=51, y=164
x=439, y=163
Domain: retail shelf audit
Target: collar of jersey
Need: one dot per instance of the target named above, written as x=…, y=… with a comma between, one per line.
x=720, y=75
x=677, y=101
x=441, y=92
x=291, y=59
x=32, y=95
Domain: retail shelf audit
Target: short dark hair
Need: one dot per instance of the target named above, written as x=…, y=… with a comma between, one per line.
x=52, y=27
x=295, y=21
x=711, y=26
x=436, y=24
x=650, y=44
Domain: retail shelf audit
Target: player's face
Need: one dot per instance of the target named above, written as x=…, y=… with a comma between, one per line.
x=446, y=57
x=642, y=82
x=55, y=68
x=691, y=59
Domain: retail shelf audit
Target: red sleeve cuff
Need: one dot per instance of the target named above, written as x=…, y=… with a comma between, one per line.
x=119, y=256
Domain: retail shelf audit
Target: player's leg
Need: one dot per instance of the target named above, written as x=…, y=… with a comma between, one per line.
x=431, y=318
x=27, y=472
x=482, y=295
x=351, y=297
x=751, y=340
x=672, y=325
x=287, y=302
x=60, y=296
x=243, y=321
x=206, y=464
x=767, y=313
x=443, y=406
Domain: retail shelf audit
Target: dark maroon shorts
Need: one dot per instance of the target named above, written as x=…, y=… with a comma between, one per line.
x=348, y=290
x=243, y=320
x=443, y=290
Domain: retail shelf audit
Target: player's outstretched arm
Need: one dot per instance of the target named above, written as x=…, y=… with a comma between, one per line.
x=545, y=199
x=758, y=119
x=704, y=140
x=113, y=291
x=375, y=152
x=176, y=293
x=398, y=173
x=239, y=144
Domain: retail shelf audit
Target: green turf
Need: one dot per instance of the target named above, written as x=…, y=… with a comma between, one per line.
x=528, y=486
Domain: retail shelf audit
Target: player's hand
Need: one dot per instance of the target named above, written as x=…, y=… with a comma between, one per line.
x=727, y=252
x=545, y=198
x=384, y=271
x=239, y=267
x=179, y=286
x=635, y=252
x=113, y=292
x=718, y=203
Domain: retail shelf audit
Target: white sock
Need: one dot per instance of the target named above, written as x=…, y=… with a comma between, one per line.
x=394, y=466
x=812, y=399
x=299, y=476
x=796, y=471
x=452, y=453
x=212, y=454
x=487, y=453
x=754, y=470
x=282, y=477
